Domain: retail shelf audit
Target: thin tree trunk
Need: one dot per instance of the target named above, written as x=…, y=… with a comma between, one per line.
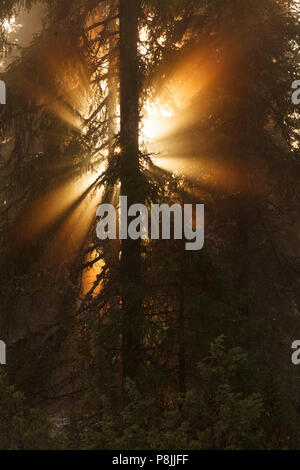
x=181, y=338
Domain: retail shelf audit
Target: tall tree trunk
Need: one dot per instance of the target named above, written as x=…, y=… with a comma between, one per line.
x=130, y=184
x=181, y=318
x=243, y=212
x=181, y=346
x=113, y=80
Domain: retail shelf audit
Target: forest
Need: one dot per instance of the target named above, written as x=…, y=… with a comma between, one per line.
x=132, y=344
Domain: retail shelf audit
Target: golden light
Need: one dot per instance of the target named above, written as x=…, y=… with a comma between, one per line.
x=69, y=98
x=44, y=211
x=143, y=37
x=10, y=25
x=74, y=225
x=89, y=276
x=154, y=122
x=170, y=113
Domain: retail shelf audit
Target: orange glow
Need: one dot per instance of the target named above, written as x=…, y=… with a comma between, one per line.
x=73, y=229
x=60, y=81
x=154, y=123
x=89, y=275
x=191, y=74
x=42, y=212
x=170, y=113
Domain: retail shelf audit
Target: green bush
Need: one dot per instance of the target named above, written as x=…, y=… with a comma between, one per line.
x=218, y=416
x=21, y=428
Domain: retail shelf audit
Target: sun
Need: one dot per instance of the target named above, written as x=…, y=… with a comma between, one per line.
x=155, y=120
x=10, y=25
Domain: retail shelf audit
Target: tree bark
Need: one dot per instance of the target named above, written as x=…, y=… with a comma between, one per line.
x=113, y=81
x=130, y=185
